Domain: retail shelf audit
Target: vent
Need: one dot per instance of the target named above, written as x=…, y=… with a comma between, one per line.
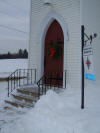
x=47, y=2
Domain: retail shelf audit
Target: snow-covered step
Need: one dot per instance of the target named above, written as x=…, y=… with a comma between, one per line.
x=29, y=91
x=26, y=98
x=23, y=96
x=28, y=87
x=19, y=104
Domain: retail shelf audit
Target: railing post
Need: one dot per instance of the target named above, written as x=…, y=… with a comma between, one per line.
x=31, y=76
x=65, y=78
x=19, y=77
x=35, y=76
x=11, y=83
x=14, y=80
x=27, y=77
x=39, y=92
x=23, y=76
x=8, y=87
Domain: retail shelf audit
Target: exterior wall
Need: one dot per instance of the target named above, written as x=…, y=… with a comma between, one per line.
x=69, y=11
x=90, y=12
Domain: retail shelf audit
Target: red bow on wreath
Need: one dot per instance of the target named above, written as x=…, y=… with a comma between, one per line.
x=55, y=50
x=52, y=52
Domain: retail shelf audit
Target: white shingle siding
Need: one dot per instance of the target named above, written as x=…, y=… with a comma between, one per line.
x=70, y=12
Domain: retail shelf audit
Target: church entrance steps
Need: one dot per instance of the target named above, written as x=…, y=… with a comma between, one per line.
x=25, y=96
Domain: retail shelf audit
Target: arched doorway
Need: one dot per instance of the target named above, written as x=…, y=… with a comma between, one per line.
x=53, y=53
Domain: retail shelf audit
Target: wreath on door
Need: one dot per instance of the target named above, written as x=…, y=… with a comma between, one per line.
x=55, y=50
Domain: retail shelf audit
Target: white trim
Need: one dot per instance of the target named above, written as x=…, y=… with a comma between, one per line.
x=30, y=22
x=44, y=27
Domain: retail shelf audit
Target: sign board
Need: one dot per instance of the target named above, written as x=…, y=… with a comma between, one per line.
x=87, y=50
x=88, y=62
x=89, y=76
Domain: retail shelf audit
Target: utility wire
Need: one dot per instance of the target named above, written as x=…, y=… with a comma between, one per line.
x=14, y=29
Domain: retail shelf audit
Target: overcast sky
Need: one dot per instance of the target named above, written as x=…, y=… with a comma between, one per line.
x=14, y=25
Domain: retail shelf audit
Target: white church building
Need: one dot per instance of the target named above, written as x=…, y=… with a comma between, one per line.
x=55, y=38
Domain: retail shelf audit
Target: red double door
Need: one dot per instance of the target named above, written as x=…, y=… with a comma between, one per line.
x=53, y=53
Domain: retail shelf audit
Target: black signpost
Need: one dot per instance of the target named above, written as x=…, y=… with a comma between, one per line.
x=83, y=53
x=82, y=89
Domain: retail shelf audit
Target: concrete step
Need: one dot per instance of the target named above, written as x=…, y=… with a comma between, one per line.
x=19, y=104
x=26, y=98
x=30, y=92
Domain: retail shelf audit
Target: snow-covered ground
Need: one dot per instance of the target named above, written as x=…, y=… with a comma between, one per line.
x=54, y=112
x=3, y=92
x=9, y=66
x=57, y=113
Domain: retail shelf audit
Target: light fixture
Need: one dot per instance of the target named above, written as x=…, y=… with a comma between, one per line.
x=47, y=2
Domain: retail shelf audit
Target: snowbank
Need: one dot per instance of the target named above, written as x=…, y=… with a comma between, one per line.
x=61, y=113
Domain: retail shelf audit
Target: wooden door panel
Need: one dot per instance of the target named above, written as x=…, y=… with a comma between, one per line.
x=54, y=66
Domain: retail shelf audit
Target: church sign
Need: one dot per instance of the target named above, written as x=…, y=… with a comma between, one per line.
x=88, y=62
x=87, y=50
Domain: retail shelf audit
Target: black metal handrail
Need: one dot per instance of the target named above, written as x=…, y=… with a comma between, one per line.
x=21, y=77
x=49, y=81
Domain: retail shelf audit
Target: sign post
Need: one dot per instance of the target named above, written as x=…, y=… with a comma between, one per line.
x=88, y=62
x=82, y=87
